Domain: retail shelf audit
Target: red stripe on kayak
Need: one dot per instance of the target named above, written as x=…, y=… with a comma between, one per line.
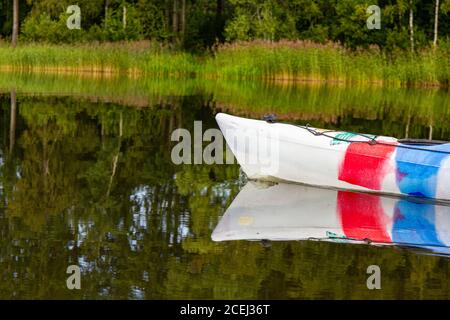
x=362, y=217
x=365, y=165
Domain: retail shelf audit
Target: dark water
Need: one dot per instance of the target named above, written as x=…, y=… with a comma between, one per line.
x=86, y=178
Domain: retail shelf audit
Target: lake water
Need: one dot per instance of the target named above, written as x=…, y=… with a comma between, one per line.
x=86, y=178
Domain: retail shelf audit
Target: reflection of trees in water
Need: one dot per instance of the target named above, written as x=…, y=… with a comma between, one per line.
x=93, y=184
x=145, y=232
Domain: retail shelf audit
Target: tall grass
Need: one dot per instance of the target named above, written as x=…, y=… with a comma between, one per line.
x=128, y=58
x=280, y=61
x=302, y=60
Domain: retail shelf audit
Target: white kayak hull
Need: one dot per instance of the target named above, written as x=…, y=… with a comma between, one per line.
x=276, y=151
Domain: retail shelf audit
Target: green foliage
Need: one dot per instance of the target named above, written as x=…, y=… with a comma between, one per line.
x=283, y=60
x=42, y=28
x=204, y=27
x=114, y=28
x=256, y=20
x=200, y=24
x=350, y=25
x=240, y=28
x=92, y=11
x=153, y=21
x=328, y=30
x=311, y=61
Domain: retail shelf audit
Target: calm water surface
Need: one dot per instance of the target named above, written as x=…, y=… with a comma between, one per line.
x=86, y=178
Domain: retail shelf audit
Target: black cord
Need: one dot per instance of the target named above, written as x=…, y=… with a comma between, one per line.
x=372, y=139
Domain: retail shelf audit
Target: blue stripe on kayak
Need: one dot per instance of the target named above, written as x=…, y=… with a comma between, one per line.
x=417, y=170
x=414, y=223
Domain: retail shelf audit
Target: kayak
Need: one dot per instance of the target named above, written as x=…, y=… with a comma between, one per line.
x=345, y=160
x=299, y=212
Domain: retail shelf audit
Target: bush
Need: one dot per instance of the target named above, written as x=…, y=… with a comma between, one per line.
x=114, y=29
x=43, y=29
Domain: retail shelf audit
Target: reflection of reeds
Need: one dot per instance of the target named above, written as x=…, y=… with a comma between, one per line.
x=282, y=61
x=378, y=110
x=126, y=90
x=320, y=105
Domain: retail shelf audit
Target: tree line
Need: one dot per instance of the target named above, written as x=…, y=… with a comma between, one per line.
x=199, y=24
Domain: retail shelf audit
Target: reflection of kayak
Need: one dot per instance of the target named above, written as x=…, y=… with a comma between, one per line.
x=345, y=160
x=295, y=212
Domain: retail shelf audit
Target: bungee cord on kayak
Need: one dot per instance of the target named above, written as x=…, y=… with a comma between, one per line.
x=372, y=139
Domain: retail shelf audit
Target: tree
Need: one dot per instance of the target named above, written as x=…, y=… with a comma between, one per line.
x=436, y=21
x=106, y=13
x=15, y=31
x=255, y=20
x=178, y=19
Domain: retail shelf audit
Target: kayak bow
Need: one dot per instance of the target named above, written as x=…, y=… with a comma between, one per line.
x=345, y=160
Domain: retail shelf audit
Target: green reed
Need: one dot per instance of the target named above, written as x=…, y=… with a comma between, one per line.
x=105, y=58
x=309, y=61
x=280, y=61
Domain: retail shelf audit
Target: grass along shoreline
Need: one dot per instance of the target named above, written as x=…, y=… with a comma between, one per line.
x=280, y=61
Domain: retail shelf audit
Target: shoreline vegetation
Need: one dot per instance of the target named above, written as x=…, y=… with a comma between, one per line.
x=285, y=61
